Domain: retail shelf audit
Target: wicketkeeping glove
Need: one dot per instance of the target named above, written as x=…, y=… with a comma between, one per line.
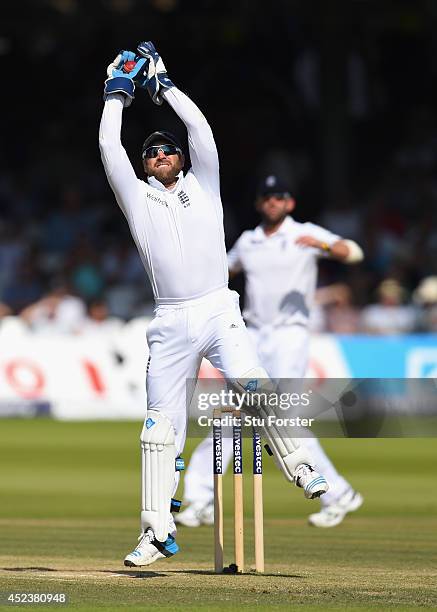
x=157, y=77
x=121, y=74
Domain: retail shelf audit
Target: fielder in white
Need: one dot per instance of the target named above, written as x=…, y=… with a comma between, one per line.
x=279, y=260
x=176, y=221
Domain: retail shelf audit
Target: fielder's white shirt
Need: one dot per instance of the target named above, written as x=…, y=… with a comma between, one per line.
x=179, y=232
x=280, y=275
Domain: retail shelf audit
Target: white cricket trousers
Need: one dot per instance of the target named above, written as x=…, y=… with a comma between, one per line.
x=283, y=352
x=179, y=336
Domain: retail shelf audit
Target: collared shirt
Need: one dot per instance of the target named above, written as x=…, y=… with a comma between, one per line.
x=178, y=232
x=280, y=275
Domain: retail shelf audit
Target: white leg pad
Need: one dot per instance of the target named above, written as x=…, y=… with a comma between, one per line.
x=158, y=455
x=288, y=452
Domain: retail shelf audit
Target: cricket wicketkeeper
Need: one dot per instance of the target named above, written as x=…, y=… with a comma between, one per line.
x=176, y=221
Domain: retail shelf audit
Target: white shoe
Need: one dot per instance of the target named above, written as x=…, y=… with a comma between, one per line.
x=333, y=515
x=196, y=514
x=150, y=550
x=313, y=483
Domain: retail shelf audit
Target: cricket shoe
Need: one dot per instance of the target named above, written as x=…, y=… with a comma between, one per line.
x=196, y=514
x=149, y=550
x=333, y=515
x=313, y=483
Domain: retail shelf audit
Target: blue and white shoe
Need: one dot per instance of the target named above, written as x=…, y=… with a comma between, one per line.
x=149, y=550
x=313, y=483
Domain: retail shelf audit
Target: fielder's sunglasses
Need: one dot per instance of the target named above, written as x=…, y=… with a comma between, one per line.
x=167, y=149
x=278, y=196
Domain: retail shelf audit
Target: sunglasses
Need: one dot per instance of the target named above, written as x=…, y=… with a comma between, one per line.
x=167, y=149
x=278, y=196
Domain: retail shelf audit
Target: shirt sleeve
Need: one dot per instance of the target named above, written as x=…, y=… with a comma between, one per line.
x=201, y=144
x=121, y=175
x=321, y=234
x=234, y=262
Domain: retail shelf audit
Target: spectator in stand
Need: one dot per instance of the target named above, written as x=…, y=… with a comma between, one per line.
x=13, y=250
x=390, y=315
x=25, y=287
x=98, y=319
x=57, y=312
x=85, y=270
x=425, y=296
x=5, y=311
x=126, y=294
x=65, y=224
x=340, y=316
x=122, y=265
x=344, y=217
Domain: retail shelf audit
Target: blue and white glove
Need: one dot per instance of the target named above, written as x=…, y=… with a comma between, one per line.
x=120, y=79
x=157, y=77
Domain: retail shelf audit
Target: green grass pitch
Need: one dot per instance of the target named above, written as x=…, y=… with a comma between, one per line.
x=69, y=498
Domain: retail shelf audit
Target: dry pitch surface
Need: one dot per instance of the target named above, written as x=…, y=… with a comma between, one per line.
x=68, y=515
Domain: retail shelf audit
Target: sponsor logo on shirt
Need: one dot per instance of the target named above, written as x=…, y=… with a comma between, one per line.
x=183, y=199
x=156, y=199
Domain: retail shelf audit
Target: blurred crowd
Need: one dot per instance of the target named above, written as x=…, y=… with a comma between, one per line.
x=62, y=312
x=75, y=245
x=66, y=255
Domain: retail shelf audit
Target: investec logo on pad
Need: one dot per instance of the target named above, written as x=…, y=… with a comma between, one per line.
x=156, y=199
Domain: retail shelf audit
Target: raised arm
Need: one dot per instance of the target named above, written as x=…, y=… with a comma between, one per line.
x=330, y=245
x=121, y=175
x=119, y=90
x=203, y=151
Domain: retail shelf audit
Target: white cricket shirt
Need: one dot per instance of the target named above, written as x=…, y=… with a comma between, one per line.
x=280, y=275
x=179, y=232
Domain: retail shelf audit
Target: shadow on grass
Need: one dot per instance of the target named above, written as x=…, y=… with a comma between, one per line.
x=245, y=574
x=194, y=572
x=126, y=573
x=29, y=569
x=133, y=574
x=149, y=574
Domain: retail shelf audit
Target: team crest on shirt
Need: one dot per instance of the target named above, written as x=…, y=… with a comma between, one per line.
x=184, y=199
